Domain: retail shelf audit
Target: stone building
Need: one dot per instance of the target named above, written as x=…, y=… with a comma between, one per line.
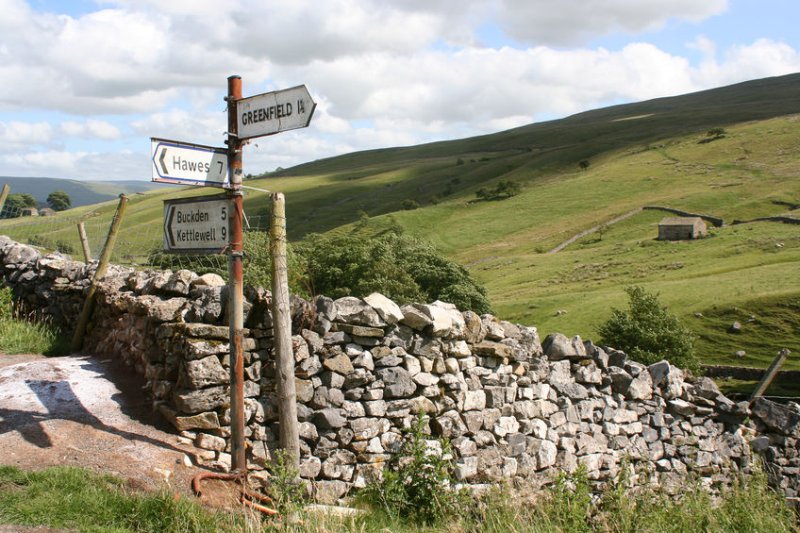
x=681, y=228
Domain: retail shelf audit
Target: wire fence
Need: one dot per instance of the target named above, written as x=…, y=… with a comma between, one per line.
x=140, y=242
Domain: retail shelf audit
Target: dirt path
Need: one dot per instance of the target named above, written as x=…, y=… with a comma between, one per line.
x=591, y=230
x=83, y=411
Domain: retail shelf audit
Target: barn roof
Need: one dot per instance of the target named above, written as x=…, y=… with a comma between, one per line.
x=680, y=221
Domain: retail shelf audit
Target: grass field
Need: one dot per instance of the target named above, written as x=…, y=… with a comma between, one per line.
x=650, y=153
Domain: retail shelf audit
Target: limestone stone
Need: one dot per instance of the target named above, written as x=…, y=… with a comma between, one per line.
x=466, y=468
x=352, y=310
x=415, y=318
x=329, y=418
x=682, y=407
x=179, y=283
x=425, y=379
x=340, y=364
x=197, y=401
x=357, y=331
x=474, y=400
x=201, y=373
x=558, y=346
x=210, y=442
x=641, y=387
x=448, y=425
x=388, y=310
x=589, y=373
x=505, y=425
x=209, y=280
x=397, y=381
x=207, y=420
x=422, y=405
x=493, y=349
x=544, y=451
x=620, y=380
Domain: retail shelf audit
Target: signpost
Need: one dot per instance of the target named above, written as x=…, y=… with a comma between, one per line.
x=213, y=224
x=198, y=225
x=274, y=112
x=189, y=164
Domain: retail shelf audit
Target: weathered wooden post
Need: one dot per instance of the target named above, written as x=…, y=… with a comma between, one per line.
x=770, y=374
x=4, y=196
x=282, y=331
x=99, y=273
x=87, y=254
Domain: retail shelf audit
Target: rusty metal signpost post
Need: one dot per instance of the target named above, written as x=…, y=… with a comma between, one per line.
x=236, y=279
x=201, y=231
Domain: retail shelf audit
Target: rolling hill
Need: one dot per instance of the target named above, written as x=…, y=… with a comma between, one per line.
x=576, y=173
x=80, y=192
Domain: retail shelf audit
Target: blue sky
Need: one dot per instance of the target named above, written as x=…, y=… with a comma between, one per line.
x=85, y=84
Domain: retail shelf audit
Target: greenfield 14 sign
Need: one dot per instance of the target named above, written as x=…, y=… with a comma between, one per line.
x=197, y=225
x=269, y=113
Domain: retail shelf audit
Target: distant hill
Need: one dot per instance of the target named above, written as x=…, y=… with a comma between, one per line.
x=80, y=192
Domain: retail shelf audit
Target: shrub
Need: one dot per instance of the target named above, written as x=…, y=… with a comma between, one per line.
x=257, y=263
x=503, y=189
x=409, y=204
x=648, y=332
x=400, y=267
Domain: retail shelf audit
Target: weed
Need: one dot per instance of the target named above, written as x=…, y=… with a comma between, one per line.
x=286, y=489
x=418, y=484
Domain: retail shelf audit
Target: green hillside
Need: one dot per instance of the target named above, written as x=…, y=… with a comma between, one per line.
x=80, y=192
x=578, y=173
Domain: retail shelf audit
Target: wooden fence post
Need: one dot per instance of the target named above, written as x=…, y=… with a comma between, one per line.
x=87, y=254
x=99, y=273
x=770, y=374
x=3, y=196
x=282, y=330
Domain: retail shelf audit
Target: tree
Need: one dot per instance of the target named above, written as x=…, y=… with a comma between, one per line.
x=409, y=204
x=16, y=202
x=59, y=201
x=648, y=332
x=584, y=164
x=503, y=189
x=401, y=267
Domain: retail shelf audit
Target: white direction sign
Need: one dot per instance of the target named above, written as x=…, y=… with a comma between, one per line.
x=197, y=225
x=189, y=164
x=274, y=112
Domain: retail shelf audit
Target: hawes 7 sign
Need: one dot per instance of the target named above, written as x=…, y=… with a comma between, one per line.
x=269, y=113
x=197, y=225
x=189, y=164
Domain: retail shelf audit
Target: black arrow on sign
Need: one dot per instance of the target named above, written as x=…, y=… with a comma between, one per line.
x=161, y=160
x=168, y=226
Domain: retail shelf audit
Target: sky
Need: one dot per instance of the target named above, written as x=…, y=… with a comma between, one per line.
x=85, y=84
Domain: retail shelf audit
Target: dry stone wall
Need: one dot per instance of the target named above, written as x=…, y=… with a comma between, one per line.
x=511, y=406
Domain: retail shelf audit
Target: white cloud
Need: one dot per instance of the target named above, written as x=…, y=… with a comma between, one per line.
x=197, y=126
x=92, y=129
x=15, y=134
x=572, y=22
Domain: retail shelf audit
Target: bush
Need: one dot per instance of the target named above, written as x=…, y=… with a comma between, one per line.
x=409, y=204
x=257, y=263
x=503, y=189
x=403, y=268
x=648, y=332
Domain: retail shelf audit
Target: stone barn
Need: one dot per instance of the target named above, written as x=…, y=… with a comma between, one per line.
x=681, y=228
